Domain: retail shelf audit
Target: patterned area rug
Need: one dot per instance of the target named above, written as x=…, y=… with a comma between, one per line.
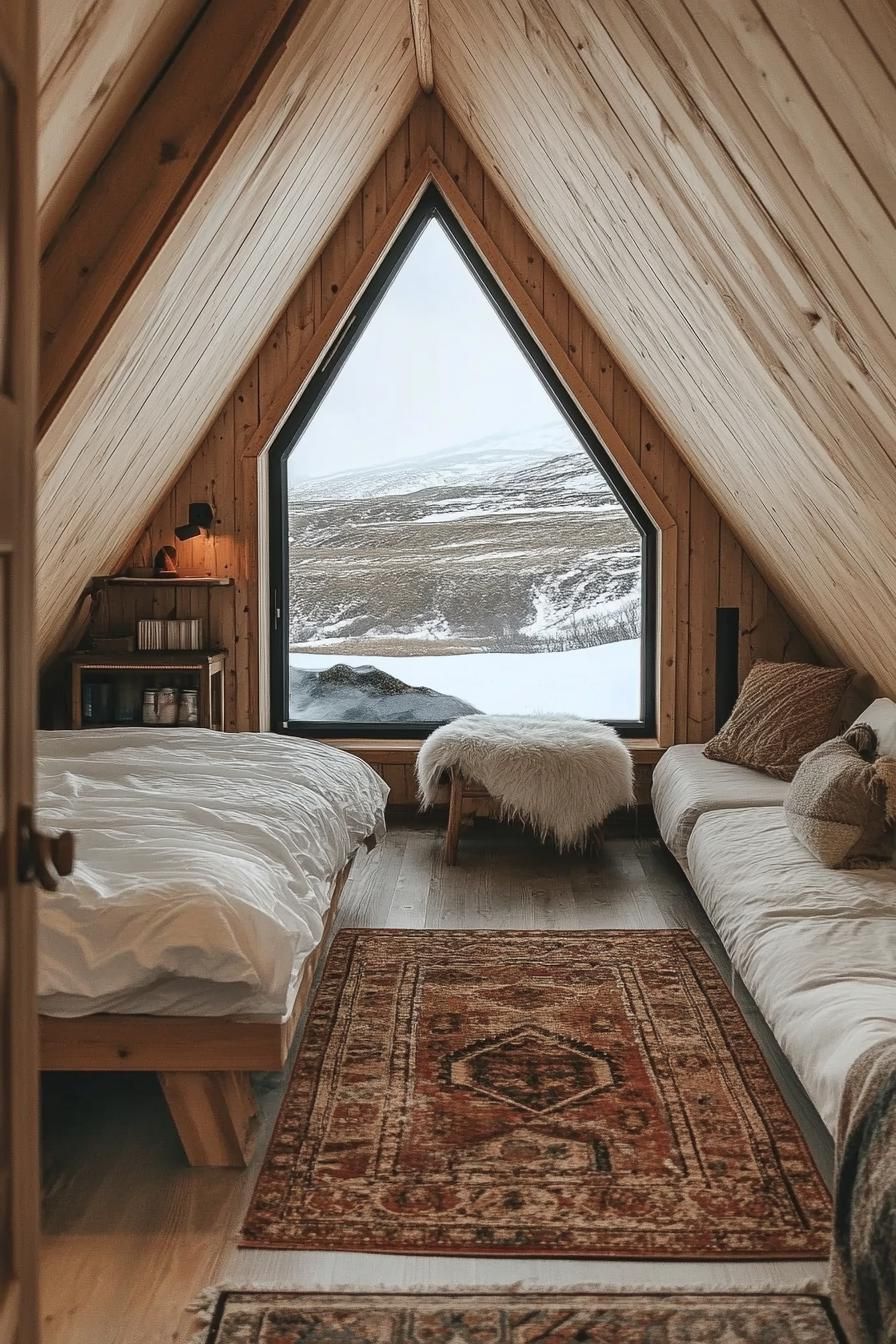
x=553, y=1094
x=309, y=1318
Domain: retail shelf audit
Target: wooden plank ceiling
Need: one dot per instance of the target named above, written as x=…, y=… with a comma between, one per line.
x=226, y=246
x=715, y=183
x=97, y=58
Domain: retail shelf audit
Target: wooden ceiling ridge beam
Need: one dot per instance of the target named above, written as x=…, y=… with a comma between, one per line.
x=422, y=31
x=158, y=164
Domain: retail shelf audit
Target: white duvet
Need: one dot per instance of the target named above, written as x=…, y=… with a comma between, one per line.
x=203, y=866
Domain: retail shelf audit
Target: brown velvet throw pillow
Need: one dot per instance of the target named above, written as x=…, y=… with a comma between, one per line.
x=784, y=710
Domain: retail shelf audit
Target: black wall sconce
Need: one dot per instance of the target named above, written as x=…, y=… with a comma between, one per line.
x=200, y=520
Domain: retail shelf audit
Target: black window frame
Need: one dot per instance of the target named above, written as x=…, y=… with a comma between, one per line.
x=432, y=204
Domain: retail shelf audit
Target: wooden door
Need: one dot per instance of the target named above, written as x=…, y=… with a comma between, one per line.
x=19, y=1317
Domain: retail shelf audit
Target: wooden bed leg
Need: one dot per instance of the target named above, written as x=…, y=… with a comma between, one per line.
x=455, y=809
x=214, y=1114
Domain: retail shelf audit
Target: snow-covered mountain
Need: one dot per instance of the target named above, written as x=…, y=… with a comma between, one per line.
x=507, y=543
x=481, y=461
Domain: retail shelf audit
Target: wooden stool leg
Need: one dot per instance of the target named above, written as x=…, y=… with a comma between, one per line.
x=214, y=1114
x=455, y=809
x=596, y=840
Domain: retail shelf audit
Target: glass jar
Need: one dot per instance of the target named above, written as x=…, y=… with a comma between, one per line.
x=188, y=709
x=167, y=703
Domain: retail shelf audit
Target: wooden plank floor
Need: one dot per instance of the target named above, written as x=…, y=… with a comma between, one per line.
x=131, y=1234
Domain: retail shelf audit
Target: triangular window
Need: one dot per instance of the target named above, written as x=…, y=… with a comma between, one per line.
x=448, y=533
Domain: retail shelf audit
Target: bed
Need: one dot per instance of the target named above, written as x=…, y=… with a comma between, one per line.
x=209, y=868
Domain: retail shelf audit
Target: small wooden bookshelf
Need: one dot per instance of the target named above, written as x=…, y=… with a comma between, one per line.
x=205, y=671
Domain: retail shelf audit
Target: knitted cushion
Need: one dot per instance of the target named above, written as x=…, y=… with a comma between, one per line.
x=838, y=805
x=783, y=711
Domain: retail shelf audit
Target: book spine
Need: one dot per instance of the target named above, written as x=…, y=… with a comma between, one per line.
x=155, y=636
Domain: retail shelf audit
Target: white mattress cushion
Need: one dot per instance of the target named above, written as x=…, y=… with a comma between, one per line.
x=686, y=784
x=203, y=859
x=816, y=947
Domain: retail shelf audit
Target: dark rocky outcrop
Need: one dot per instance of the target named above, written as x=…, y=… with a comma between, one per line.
x=366, y=694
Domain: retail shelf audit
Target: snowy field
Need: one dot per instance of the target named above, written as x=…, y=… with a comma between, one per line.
x=603, y=682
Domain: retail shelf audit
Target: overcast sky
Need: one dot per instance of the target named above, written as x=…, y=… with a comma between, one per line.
x=435, y=368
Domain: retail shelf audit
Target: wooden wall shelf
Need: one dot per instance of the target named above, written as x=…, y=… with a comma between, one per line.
x=182, y=581
x=153, y=660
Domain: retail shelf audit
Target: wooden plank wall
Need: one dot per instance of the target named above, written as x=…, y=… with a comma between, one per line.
x=713, y=569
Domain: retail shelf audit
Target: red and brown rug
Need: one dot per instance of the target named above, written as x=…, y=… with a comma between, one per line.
x=548, y=1094
x=508, y=1318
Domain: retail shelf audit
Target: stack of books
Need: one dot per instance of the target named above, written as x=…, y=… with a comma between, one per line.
x=170, y=636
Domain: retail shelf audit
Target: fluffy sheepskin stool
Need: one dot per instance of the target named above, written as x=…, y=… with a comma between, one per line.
x=561, y=775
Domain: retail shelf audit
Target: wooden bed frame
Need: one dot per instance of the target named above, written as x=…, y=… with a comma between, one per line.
x=203, y=1063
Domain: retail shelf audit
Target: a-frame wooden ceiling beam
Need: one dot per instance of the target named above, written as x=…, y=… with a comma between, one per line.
x=273, y=180
x=97, y=60
x=132, y=202
x=422, y=31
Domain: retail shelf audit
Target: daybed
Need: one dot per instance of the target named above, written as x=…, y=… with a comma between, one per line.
x=815, y=947
x=208, y=870
x=686, y=784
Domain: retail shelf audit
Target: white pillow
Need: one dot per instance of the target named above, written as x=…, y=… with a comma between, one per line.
x=881, y=716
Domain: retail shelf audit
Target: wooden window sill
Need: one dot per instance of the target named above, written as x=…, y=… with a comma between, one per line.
x=403, y=750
